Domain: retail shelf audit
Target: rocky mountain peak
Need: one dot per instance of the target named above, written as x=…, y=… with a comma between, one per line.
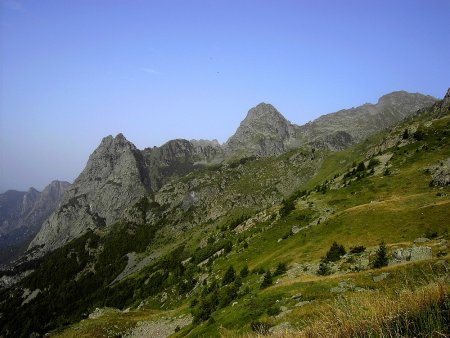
x=264, y=112
x=446, y=100
x=114, y=177
x=263, y=132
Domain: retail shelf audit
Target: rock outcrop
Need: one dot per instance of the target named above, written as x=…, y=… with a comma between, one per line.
x=264, y=132
x=177, y=158
x=22, y=215
x=115, y=176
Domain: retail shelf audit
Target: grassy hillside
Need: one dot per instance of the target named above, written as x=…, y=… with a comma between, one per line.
x=268, y=269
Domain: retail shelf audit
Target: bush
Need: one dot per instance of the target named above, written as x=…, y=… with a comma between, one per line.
x=335, y=252
x=229, y=276
x=273, y=311
x=361, y=167
x=281, y=269
x=288, y=206
x=324, y=269
x=405, y=135
x=381, y=258
x=267, y=281
x=244, y=272
x=419, y=135
x=357, y=249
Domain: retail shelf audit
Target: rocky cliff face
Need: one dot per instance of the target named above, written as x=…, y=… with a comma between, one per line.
x=22, y=214
x=115, y=176
x=264, y=132
x=440, y=108
x=177, y=158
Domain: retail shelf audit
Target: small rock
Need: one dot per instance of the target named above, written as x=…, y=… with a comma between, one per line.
x=299, y=304
x=281, y=328
x=380, y=277
x=421, y=240
x=338, y=289
x=297, y=296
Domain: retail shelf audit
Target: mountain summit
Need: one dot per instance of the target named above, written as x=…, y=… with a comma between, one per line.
x=263, y=132
x=113, y=178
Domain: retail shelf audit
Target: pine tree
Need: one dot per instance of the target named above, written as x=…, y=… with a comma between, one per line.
x=267, y=281
x=229, y=276
x=244, y=272
x=381, y=257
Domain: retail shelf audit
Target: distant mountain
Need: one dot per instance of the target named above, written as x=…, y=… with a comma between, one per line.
x=348, y=126
x=118, y=174
x=22, y=214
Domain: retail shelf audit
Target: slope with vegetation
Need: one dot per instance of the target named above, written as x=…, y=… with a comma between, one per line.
x=311, y=243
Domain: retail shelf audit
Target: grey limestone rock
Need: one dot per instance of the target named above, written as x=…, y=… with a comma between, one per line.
x=340, y=129
x=264, y=132
x=114, y=177
x=416, y=253
x=22, y=214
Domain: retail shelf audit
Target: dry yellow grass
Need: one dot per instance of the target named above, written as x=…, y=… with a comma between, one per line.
x=422, y=312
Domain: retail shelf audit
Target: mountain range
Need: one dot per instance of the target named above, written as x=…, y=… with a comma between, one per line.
x=118, y=174
x=338, y=227
x=22, y=215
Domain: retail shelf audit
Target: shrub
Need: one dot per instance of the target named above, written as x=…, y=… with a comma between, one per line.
x=288, y=206
x=381, y=258
x=419, y=135
x=361, y=166
x=244, y=272
x=229, y=276
x=335, y=252
x=357, y=249
x=281, y=269
x=267, y=281
x=405, y=135
x=273, y=311
x=324, y=269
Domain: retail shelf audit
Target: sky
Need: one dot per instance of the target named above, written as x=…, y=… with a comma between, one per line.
x=74, y=71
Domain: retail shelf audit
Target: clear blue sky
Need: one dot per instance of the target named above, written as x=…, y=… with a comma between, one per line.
x=75, y=71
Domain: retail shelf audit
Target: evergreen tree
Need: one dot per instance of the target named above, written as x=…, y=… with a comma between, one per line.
x=361, y=166
x=244, y=272
x=405, y=134
x=381, y=258
x=281, y=269
x=335, y=252
x=229, y=276
x=267, y=281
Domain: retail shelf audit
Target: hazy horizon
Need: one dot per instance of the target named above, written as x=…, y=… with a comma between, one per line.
x=74, y=72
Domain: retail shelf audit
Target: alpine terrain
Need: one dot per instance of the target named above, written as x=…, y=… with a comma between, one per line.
x=335, y=228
